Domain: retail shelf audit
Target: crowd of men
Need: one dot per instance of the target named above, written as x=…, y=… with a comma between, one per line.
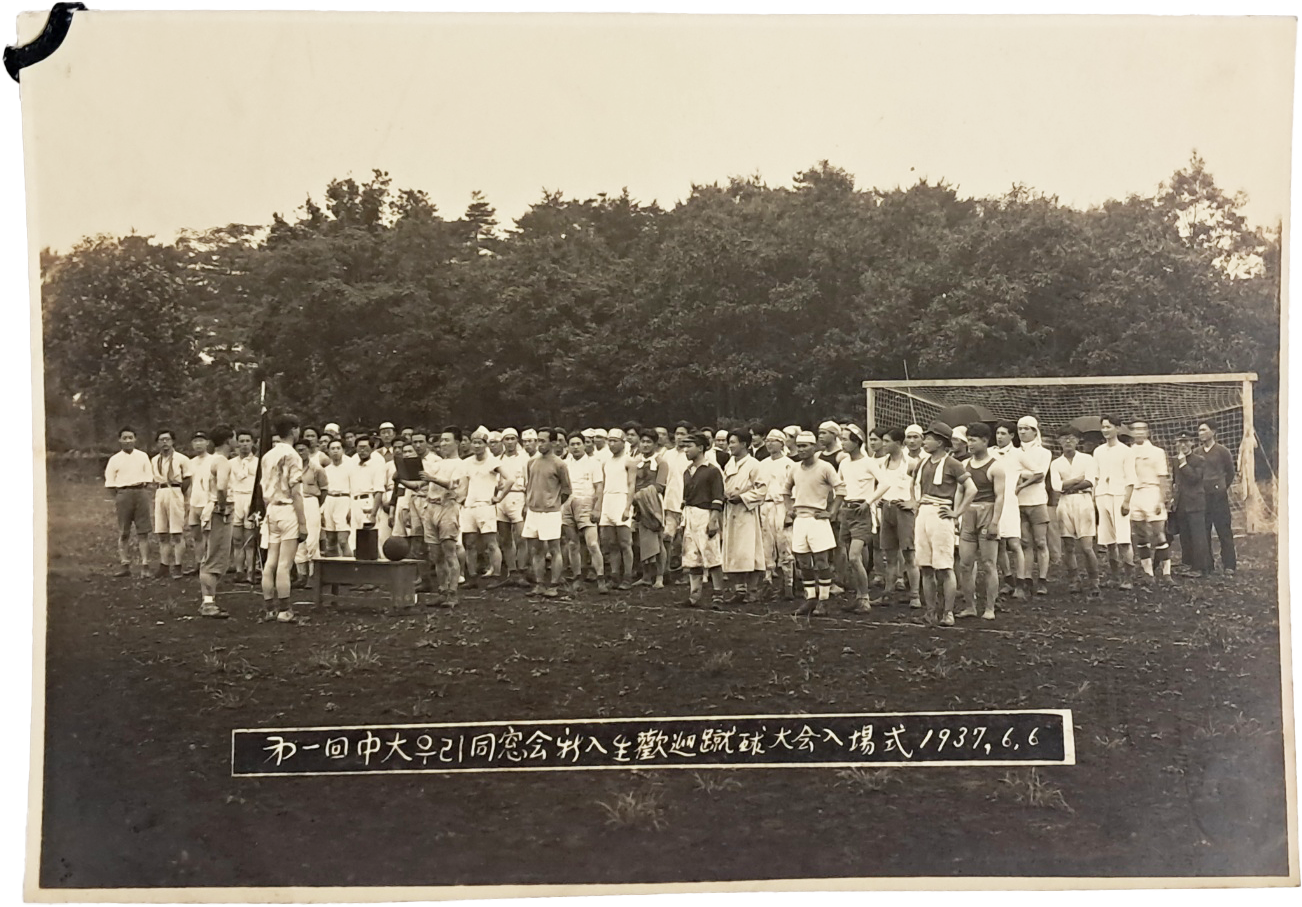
x=834, y=512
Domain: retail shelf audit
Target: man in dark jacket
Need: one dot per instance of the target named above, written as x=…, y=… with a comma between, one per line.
x=1218, y=476
x=1190, y=506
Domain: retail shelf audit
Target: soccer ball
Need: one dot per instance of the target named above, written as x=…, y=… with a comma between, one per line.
x=396, y=548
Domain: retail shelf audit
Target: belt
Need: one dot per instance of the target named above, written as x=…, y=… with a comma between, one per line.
x=935, y=503
x=516, y=491
x=137, y=485
x=338, y=494
x=165, y=485
x=359, y=497
x=1078, y=491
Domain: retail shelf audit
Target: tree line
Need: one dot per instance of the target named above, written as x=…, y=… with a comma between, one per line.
x=742, y=303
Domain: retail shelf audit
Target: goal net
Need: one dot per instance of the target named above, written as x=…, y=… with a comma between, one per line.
x=1168, y=403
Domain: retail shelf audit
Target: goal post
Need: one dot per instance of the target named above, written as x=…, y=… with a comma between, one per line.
x=1168, y=403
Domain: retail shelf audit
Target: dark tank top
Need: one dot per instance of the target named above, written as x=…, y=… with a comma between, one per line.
x=985, y=485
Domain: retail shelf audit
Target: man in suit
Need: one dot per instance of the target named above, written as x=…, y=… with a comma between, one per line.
x=1190, y=506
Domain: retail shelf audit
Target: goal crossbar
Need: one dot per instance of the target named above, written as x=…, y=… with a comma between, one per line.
x=1074, y=379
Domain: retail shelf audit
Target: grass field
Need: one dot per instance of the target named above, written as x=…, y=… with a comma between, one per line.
x=1176, y=701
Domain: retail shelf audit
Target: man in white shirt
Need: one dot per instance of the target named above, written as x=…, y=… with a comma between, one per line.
x=1115, y=463
x=485, y=487
x=200, y=477
x=337, y=509
x=1072, y=479
x=368, y=486
x=676, y=463
x=529, y=438
x=898, y=514
x=579, y=514
x=244, y=468
x=172, y=480
x=282, y=490
x=1033, y=504
x=859, y=474
x=600, y=448
x=775, y=471
x=1149, y=506
x=128, y=478
x=619, y=479
x=215, y=522
x=510, y=510
x=1010, y=520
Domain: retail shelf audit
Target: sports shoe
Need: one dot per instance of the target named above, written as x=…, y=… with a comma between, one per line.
x=1006, y=589
x=947, y=619
x=269, y=616
x=969, y=611
x=915, y=603
x=988, y=614
x=534, y=591
x=550, y=592
x=1041, y=587
x=806, y=607
x=1019, y=594
x=1126, y=585
x=836, y=590
x=286, y=616
x=624, y=587
x=900, y=586
x=863, y=606
x=211, y=610
x=659, y=583
x=603, y=587
x=1074, y=587
x=1229, y=574
x=820, y=609
x=160, y=572
x=176, y=572
x=1095, y=593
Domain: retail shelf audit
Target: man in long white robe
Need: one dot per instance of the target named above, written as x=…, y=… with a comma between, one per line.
x=743, y=536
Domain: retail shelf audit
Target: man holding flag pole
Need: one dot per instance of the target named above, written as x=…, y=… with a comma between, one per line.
x=278, y=508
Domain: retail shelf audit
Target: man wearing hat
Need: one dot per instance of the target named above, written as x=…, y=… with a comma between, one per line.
x=830, y=450
x=529, y=441
x=775, y=473
x=1033, y=505
x=1189, y=512
x=619, y=478
x=721, y=452
x=484, y=488
x=1073, y=476
x=702, y=518
x=510, y=510
x=814, y=495
x=387, y=434
x=676, y=463
x=1115, y=462
x=859, y=474
x=959, y=442
x=943, y=490
x=599, y=449
x=743, y=535
x=913, y=442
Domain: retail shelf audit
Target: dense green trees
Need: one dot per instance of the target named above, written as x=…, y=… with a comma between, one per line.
x=743, y=302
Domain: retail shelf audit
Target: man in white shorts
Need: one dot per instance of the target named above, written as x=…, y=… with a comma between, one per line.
x=619, y=478
x=676, y=463
x=1149, y=506
x=702, y=518
x=813, y=496
x=1072, y=478
x=1033, y=506
x=1115, y=463
x=337, y=508
x=546, y=489
x=943, y=490
x=200, y=479
x=172, y=477
x=282, y=490
x=579, y=515
x=484, y=489
x=510, y=510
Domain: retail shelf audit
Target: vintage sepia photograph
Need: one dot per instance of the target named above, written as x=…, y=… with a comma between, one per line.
x=486, y=453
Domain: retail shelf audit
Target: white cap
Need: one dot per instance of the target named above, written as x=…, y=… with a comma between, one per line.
x=806, y=437
x=384, y=425
x=1029, y=422
x=829, y=425
x=721, y=434
x=480, y=432
x=914, y=429
x=494, y=436
x=960, y=433
x=615, y=434
x=332, y=427
x=529, y=435
x=588, y=434
x=775, y=435
x=510, y=433
x=598, y=433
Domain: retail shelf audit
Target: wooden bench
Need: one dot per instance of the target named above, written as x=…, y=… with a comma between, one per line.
x=399, y=576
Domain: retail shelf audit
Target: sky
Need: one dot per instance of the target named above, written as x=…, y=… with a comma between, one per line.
x=152, y=122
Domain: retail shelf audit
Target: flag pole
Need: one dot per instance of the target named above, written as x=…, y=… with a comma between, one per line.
x=912, y=410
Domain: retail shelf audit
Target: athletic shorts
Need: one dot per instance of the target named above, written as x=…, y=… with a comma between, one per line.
x=441, y=521
x=577, y=513
x=700, y=552
x=133, y=509
x=336, y=513
x=479, y=519
x=217, y=544
x=169, y=511
x=241, y=501
x=1114, y=529
x=897, y=530
x=194, y=514
x=613, y=505
x=856, y=527
x=1146, y=505
x=543, y=526
x=511, y=508
x=1076, y=516
x=810, y=535
x=281, y=523
x=933, y=539
x=978, y=519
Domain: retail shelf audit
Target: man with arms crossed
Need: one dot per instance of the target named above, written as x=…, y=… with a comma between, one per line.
x=546, y=489
x=1115, y=463
x=1072, y=477
x=814, y=495
x=128, y=478
x=282, y=489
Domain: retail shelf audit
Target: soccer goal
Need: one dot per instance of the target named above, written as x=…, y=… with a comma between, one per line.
x=1168, y=403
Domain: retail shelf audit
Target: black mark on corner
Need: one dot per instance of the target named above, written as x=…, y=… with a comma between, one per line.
x=46, y=43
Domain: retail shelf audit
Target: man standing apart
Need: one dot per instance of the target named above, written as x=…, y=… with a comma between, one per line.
x=743, y=534
x=172, y=477
x=1149, y=506
x=814, y=495
x=1116, y=468
x=702, y=518
x=979, y=530
x=128, y=478
x=619, y=477
x=943, y=490
x=1072, y=478
x=1218, y=476
x=546, y=489
x=858, y=473
x=282, y=489
x=1190, y=508
x=215, y=519
x=1033, y=504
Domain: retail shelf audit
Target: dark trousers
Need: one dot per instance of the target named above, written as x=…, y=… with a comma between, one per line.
x=1218, y=518
x=1195, y=550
